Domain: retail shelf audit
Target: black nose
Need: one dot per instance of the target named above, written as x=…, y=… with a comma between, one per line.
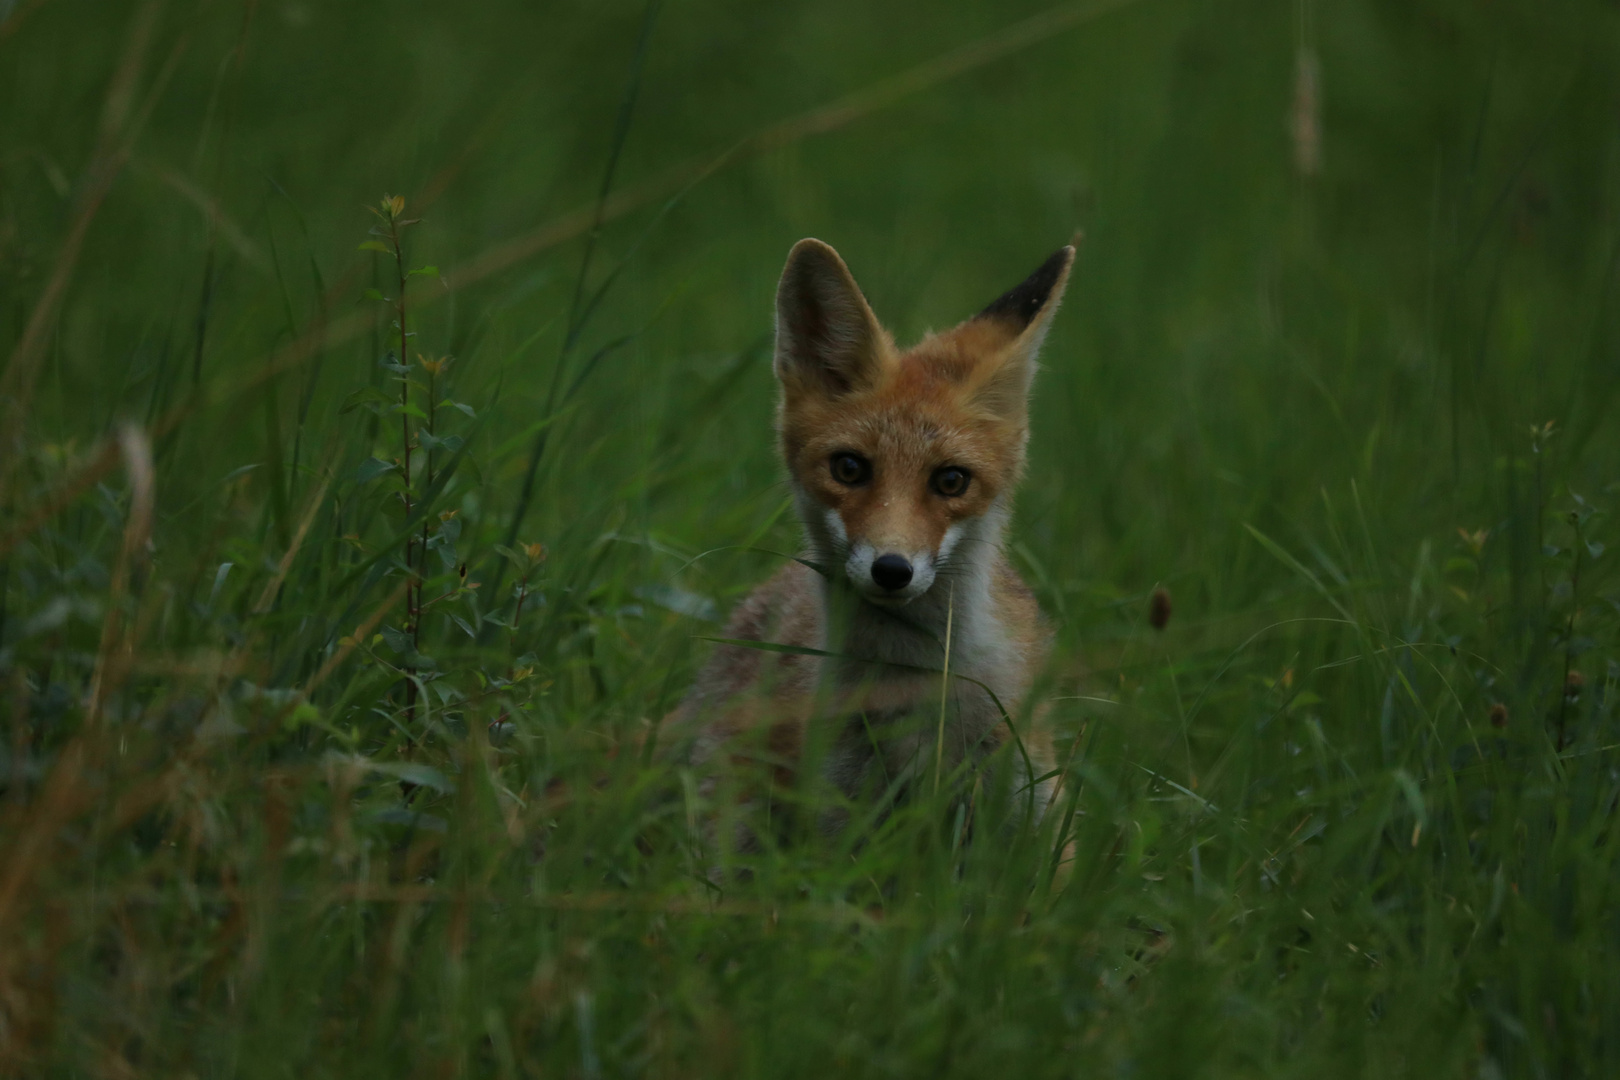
x=891, y=572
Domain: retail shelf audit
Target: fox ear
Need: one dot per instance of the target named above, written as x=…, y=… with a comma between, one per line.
x=826, y=336
x=1016, y=324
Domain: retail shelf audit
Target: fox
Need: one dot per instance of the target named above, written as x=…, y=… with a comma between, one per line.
x=902, y=641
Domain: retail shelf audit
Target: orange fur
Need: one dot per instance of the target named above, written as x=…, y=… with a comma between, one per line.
x=875, y=440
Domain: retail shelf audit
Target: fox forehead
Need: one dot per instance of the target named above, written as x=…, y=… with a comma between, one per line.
x=918, y=417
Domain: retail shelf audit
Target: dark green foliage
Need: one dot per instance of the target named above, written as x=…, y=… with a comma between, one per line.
x=325, y=759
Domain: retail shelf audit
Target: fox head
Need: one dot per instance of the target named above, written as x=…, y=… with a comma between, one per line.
x=903, y=462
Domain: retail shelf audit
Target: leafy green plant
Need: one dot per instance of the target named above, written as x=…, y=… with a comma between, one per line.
x=418, y=432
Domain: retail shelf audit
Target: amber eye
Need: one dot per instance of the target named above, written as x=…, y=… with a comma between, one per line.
x=951, y=480
x=851, y=470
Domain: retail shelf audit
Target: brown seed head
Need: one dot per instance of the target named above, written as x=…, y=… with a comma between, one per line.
x=1159, y=608
x=1499, y=715
x=1572, y=685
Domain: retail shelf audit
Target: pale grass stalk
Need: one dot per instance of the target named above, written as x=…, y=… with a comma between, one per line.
x=944, y=687
x=111, y=661
x=20, y=731
x=65, y=793
x=70, y=788
x=360, y=633
x=212, y=211
x=285, y=566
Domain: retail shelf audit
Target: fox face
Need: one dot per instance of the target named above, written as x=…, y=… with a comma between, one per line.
x=903, y=462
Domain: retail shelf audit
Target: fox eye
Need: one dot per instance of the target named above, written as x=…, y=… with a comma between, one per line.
x=951, y=480
x=851, y=470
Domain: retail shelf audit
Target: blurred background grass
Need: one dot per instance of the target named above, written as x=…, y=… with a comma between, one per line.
x=1337, y=368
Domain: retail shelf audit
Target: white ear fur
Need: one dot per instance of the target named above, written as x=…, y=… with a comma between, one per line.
x=826, y=335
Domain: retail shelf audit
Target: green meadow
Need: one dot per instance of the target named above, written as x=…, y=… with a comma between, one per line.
x=331, y=669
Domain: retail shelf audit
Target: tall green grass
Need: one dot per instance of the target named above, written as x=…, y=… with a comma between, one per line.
x=299, y=779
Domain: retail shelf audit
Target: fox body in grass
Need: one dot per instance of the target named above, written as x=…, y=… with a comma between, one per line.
x=903, y=465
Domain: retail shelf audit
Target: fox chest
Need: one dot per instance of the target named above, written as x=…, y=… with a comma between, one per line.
x=881, y=731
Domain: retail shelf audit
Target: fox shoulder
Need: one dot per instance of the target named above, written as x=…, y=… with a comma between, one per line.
x=1019, y=613
x=785, y=610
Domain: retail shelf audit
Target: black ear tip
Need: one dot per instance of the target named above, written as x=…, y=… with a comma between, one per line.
x=1057, y=262
x=811, y=250
x=1020, y=304
x=810, y=263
